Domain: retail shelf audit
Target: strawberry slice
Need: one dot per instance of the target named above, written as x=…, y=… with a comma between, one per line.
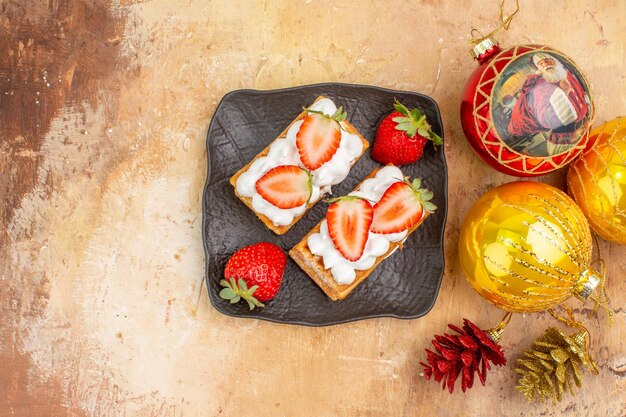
x=319, y=137
x=285, y=186
x=401, y=207
x=349, y=219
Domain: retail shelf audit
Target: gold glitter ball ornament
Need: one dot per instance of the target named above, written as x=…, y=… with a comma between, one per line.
x=554, y=364
x=525, y=247
x=597, y=181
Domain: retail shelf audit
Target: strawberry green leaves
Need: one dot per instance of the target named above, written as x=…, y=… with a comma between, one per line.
x=338, y=116
x=425, y=195
x=235, y=291
x=414, y=122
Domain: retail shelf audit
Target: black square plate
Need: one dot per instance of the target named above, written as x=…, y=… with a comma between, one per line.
x=405, y=285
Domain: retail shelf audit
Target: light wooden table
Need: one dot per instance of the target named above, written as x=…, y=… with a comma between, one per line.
x=103, y=114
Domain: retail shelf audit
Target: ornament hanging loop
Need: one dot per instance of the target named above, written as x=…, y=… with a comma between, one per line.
x=476, y=39
x=497, y=331
x=504, y=24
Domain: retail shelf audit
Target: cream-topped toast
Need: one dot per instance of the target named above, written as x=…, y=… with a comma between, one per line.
x=315, y=152
x=361, y=230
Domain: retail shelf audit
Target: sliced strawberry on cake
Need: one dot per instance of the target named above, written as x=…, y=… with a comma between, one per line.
x=401, y=207
x=285, y=186
x=319, y=137
x=349, y=219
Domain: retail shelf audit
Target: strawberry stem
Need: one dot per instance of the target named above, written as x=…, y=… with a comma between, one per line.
x=235, y=291
x=338, y=116
x=414, y=122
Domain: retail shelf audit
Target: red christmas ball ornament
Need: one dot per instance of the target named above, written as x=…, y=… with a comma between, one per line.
x=526, y=110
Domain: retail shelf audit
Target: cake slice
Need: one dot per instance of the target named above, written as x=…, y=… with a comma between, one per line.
x=319, y=144
x=335, y=253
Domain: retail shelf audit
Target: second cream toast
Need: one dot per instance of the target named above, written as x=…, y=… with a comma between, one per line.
x=313, y=264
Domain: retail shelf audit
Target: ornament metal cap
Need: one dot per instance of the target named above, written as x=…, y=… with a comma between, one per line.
x=495, y=333
x=588, y=282
x=483, y=46
x=580, y=337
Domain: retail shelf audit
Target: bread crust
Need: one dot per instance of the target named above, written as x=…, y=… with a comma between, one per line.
x=313, y=265
x=280, y=230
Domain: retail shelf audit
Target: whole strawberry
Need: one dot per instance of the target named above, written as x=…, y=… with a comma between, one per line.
x=402, y=135
x=254, y=273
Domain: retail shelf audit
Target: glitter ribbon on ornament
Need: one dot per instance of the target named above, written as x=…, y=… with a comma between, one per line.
x=558, y=241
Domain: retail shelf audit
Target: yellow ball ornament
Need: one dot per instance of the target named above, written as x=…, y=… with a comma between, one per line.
x=597, y=181
x=526, y=247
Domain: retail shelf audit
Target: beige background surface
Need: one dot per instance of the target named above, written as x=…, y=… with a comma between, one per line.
x=104, y=111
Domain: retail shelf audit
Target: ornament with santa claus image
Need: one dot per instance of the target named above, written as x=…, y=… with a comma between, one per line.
x=526, y=110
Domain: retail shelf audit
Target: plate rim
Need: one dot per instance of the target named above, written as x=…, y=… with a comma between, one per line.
x=248, y=315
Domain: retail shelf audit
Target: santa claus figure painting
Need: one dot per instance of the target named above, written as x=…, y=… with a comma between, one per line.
x=546, y=112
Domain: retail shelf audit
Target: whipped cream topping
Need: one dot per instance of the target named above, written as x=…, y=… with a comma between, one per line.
x=320, y=244
x=285, y=152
